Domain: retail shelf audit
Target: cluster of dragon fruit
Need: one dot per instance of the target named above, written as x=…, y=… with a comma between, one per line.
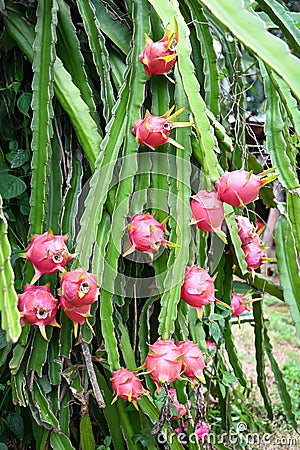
x=166, y=361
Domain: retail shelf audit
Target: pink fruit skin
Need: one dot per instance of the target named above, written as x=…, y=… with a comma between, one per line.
x=246, y=229
x=48, y=253
x=79, y=287
x=78, y=314
x=207, y=210
x=146, y=234
x=37, y=306
x=239, y=304
x=126, y=385
x=163, y=362
x=239, y=187
x=192, y=359
x=152, y=131
x=202, y=430
x=253, y=254
x=198, y=288
x=159, y=57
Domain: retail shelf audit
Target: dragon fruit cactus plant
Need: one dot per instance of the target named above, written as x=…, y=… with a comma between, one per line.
x=207, y=210
x=154, y=131
x=146, y=234
x=78, y=291
x=159, y=57
x=48, y=254
x=163, y=362
x=193, y=362
x=127, y=386
x=239, y=187
x=38, y=306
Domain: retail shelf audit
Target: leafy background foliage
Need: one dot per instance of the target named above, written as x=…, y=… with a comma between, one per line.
x=71, y=89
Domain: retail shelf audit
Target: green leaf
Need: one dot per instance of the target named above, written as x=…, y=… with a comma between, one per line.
x=18, y=158
x=24, y=102
x=16, y=425
x=11, y=186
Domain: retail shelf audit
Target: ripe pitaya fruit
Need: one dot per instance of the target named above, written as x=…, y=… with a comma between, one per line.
x=239, y=187
x=198, y=288
x=193, y=362
x=38, y=306
x=207, y=210
x=239, y=303
x=146, y=234
x=163, y=362
x=246, y=229
x=154, y=131
x=47, y=253
x=79, y=287
x=254, y=254
x=127, y=385
x=159, y=57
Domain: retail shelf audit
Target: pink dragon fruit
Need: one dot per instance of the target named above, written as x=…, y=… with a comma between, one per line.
x=239, y=304
x=254, y=254
x=207, y=210
x=246, y=229
x=192, y=360
x=78, y=314
x=47, y=253
x=79, y=288
x=38, y=306
x=163, y=362
x=240, y=187
x=202, y=430
x=154, y=131
x=198, y=288
x=146, y=234
x=159, y=57
x=180, y=408
x=127, y=385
